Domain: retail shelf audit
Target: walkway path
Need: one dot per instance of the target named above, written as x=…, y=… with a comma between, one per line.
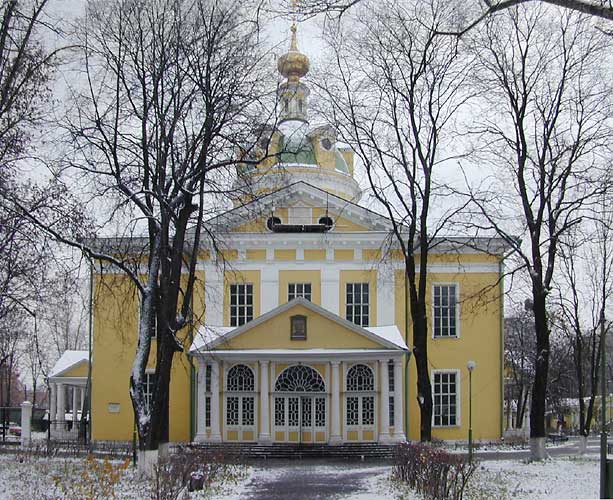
x=316, y=480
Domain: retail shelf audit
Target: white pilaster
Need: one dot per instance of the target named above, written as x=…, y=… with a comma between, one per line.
x=335, y=411
x=384, y=434
x=60, y=415
x=75, y=407
x=398, y=406
x=52, y=402
x=270, y=291
x=329, y=290
x=215, y=384
x=201, y=402
x=264, y=404
x=385, y=297
x=214, y=295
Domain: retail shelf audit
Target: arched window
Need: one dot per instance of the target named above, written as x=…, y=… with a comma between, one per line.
x=240, y=408
x=300, y=379
x=360, y=379
x=240, y=379
x=360, y=408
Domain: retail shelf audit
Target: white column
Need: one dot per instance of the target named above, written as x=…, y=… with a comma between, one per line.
x=214, y=295
x=215, y=427
x=26, y=423
x=60, y=415
x=270, y=291
x=75, y=408
x=384, y=434
x=201, y=402
x=398, y=405
x=330, y=290
x=52, y=403
x=264, y=404
x=385, y=297
x=335, y=411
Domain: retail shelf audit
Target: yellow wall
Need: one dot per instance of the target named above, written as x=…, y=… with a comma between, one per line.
x=79, y=370
x=232, y=277
x=365, y=276
x=322, y=333
x=312, y=276
x=115, y=335
x=479, y=340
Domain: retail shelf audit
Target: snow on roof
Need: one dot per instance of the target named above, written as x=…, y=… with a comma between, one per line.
x=207, y=335
x=68, y=360
x=389, y=333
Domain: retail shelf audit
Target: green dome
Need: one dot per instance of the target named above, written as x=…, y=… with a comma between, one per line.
x=339, y=162
x=296, y=148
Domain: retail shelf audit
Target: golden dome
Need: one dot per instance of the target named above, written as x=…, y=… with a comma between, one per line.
x=293, y=65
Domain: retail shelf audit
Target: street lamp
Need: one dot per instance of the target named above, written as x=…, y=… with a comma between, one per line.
x=471, y=365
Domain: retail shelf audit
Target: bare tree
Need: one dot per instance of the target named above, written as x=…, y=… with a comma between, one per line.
x=585, y=281
x=172, y=88
x=545, y=128
x=469, y=14
x=393, y=93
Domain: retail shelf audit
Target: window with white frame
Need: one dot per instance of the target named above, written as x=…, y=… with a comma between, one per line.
x=445, y=310
x=295, y=290
x=149, y=384
x=241, y=303
x=445, y=398
x=360, y=407
x=240, y=403
x=357, y=303
x=207, y=396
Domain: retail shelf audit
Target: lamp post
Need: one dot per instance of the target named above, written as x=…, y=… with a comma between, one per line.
x=471, y=365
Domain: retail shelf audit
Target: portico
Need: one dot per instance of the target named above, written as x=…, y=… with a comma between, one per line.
x=67, y=389
x=307, y=394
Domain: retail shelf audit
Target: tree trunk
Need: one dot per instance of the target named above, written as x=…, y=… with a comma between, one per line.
x=539, y=387
x=420, y=352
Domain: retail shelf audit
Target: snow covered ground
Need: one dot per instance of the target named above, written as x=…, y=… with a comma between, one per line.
x=558, y=478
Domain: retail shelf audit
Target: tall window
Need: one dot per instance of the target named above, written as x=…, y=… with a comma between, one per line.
x=240, y=408
x=149, y=383
x=207, y=397
x=445, y=396
x=445, y=310
x=360, y=407
x=241, y=303
x=357, y=300
x=391, y=382
x=295, y=290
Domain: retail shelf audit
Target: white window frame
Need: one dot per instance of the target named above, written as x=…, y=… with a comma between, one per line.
x=256, y=398
x=457, y=310
x=360, y=428
x=148, y=392
x=296, y=294
x=458, y=396
x=361, y=304
x=244, y=306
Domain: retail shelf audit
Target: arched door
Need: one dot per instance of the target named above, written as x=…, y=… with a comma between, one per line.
x=240, y=410
x=300, y=406
x=360, y=403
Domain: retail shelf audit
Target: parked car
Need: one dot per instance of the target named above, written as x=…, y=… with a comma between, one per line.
x=15, y=430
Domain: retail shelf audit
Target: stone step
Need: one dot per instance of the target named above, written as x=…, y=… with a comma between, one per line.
x=350, y=452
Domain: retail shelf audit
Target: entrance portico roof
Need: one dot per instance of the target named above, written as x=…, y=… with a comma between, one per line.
x=212, y=337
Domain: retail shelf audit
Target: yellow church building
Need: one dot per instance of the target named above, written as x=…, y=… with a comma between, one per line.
x=303, y=330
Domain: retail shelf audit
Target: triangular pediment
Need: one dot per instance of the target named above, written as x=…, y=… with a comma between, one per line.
x=71, y=364
x=324, y=330
x=251, y=216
